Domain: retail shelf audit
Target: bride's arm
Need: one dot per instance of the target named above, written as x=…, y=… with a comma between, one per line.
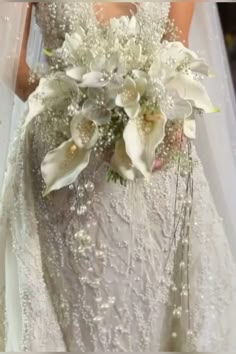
x=23, y=87
x=181, y=13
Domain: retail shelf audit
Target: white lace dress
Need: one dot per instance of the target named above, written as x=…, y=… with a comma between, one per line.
x=89, y=268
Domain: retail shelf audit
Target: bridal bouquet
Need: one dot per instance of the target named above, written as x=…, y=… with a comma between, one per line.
x=117, y=92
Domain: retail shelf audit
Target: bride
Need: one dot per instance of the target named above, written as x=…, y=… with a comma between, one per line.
x=98, y=266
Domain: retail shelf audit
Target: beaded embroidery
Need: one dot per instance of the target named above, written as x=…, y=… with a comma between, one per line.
x=91, y=257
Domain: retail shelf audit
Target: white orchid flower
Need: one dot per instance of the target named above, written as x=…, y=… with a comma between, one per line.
x=111, y=68
x=98, y=106
x=63, y=165
x=130, y=95
x=104, y=71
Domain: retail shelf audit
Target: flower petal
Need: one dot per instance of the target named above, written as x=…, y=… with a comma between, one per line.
x=200, y=67
x=177, y=52
x=190, y=128
x=141, y=140
x=84, y=132
x=98, y=63
x=93, y=79
x=121, y=163
x=97, y=113
x=73, y=42
x=133, y=110
x=155, y=68
x=112, y=64
x=135, y=49
x=140, y=74
x=180, y=108
x=76, y=73
x=141, y=84
x=190, y=89
x=51, y=92
x=63, y=165
x=129, y=94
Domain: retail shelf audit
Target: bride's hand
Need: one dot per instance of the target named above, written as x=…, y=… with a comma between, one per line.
x=104, y=11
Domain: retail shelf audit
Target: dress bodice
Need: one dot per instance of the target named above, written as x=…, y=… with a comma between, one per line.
x=57, y=18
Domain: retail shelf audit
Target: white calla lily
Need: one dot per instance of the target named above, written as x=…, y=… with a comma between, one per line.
x=178, y=52
x=63, y=165
x=84, y=132
x=121, y=163
x=200, y=67
x=142, y=135
x=190, y=89
x=178, y=107
x=130, y=95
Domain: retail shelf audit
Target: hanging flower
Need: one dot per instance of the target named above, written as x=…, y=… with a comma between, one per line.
x=135, y=153
x=63, y=165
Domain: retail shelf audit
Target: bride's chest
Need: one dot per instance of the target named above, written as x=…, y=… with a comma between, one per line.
x=57, y=18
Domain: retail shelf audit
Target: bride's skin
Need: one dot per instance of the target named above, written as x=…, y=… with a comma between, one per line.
x=104, y=11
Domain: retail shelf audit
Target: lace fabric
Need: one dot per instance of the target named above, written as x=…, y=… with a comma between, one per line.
x=90, y=260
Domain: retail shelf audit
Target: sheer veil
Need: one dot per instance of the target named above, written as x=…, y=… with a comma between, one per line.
x=216, y=143
x=12, y=20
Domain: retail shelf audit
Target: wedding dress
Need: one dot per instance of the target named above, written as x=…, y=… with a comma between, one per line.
x=90, y=267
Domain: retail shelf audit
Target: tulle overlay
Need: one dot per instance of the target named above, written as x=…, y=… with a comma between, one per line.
x=95, y=266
